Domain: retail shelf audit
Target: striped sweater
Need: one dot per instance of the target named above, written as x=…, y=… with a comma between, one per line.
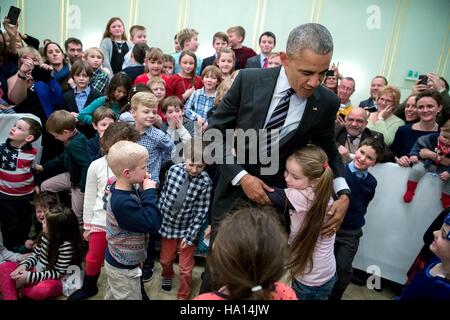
x=16, y=178
x=39, y=260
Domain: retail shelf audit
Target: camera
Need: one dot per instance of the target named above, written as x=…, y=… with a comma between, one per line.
x=423, y=79
x=40, y=74
x=329, y=73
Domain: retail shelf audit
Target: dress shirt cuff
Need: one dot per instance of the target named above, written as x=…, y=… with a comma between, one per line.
x=237, y=179
x=339, y=184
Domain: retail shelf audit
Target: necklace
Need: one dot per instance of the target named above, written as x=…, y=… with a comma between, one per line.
x=119, y=46
x=419, y=127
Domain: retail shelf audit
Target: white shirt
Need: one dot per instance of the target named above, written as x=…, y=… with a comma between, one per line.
x=297, y=107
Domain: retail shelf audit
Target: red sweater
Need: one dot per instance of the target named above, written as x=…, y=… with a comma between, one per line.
x=16, y=178
x=242, y=54
x=177, y=85
x=143, y=78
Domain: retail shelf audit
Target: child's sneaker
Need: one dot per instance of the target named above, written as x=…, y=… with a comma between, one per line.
x=166, y=284
x=147, y=272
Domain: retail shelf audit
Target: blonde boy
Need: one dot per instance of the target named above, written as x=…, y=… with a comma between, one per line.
x=188, y=40
x=131, y=214
x=138, y=34
x=236, y=36
x=159, y=145
x=94, y=57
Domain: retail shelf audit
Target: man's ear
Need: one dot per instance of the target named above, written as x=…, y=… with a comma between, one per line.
x=29, y=138
x=284, y=58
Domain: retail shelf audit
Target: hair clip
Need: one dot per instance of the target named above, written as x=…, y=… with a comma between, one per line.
x=256, y=288
x=325, y=165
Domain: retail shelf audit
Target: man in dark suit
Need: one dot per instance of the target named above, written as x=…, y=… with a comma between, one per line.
x=267, y=42
x=376, y=84
x=353, y=132
x=249, y=105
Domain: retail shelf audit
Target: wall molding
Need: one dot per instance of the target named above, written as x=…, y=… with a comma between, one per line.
x=316, y=8
x=441, y=63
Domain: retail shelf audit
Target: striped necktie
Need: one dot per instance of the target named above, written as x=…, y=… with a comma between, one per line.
x=278, y=116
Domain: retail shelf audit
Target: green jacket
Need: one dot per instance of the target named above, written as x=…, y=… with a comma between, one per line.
x=74, y=160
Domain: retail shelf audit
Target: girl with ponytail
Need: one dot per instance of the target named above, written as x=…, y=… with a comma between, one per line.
x=311, y=259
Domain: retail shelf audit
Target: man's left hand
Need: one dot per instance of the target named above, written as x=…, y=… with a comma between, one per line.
x=337, y=214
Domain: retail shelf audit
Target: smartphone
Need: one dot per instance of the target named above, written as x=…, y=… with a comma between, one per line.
x=330, y=73
x=13, y=15
x=41, y=74
x=423, y=79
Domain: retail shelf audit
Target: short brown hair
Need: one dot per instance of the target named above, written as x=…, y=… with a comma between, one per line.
x=59, y=121
x=154, y=53
x=239, y=30
x=79, y=66
x=146, y=99
x=220, y=35
x=171, y=101
x=35, y=128
x=213, y=71
x=115, y=132
x=102, y=113
x=155, y=80
x=430, y=93
x=184, y=35
x=446, y=127
x=44, y=199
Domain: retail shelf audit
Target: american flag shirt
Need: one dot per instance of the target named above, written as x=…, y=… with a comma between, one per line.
x=185, y=223
x=16, y=178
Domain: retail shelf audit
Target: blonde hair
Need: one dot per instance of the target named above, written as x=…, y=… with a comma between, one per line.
x=222, y=89
x=239, y=30
x=30, y=51
x=391, y=91
x=147, y=99
x=156, y=80
x=125, y=155
x=93, y=50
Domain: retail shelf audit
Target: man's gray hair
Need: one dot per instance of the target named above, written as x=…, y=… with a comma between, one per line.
x=312, y=36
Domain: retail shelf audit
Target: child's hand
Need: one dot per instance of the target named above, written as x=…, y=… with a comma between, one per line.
x=188, y=93
x=21, y=278
x=179, y=122
x=29, y=244
x=183, y=244
x=19, y=270
x=148, y=183
x=171, y=122
x=207, y=232
x=23, y=256
x=71, y=83
x=444, y=176
x=343, y=151
x=75, y=115
x=427, y=154
x=86, y=234
x=414, y=159
x=38, y=168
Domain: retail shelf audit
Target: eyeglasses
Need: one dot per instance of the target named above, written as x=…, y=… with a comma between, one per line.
x=385, y=100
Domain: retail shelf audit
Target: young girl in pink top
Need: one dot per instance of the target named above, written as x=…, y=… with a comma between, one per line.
x=183, y=84
x=309, y=182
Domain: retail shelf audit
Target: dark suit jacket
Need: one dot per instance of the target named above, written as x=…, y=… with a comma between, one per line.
x=207, y=62
x=368, y=103
x=71, y=105
x=341, y=136
x=245, y=106
x=253, y=62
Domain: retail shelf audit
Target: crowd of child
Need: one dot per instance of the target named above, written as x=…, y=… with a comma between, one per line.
x=121, y=113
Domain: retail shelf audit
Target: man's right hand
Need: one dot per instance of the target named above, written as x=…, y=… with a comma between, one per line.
x=255, y=189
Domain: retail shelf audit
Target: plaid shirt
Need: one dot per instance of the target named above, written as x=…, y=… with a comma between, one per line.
x=99, y=80
x=185, y=223
x=199, y=104
x=159, y=147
